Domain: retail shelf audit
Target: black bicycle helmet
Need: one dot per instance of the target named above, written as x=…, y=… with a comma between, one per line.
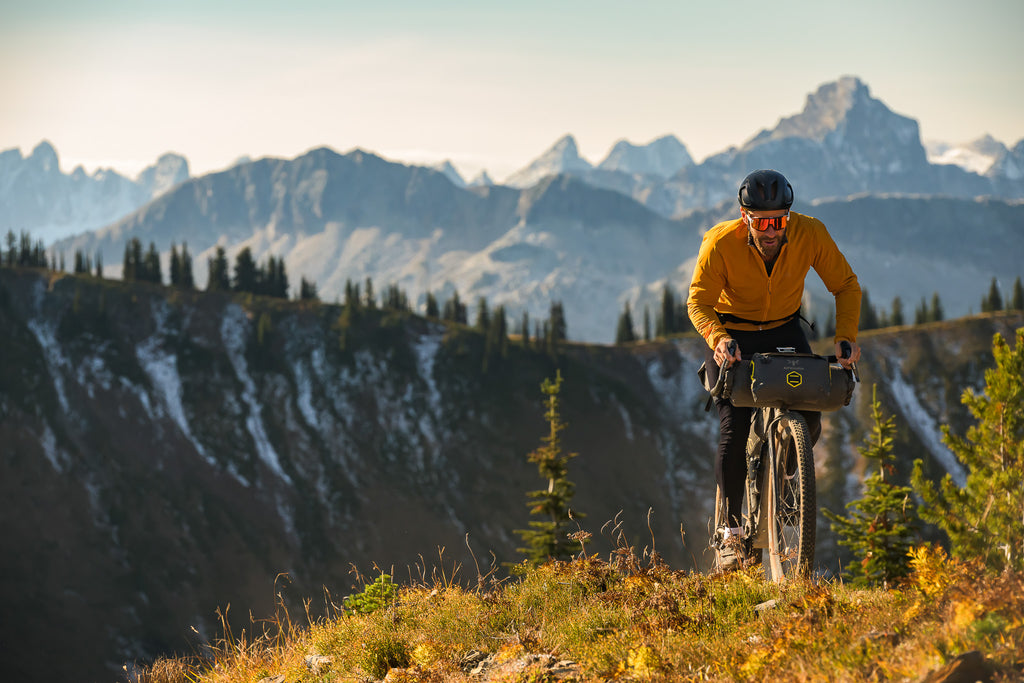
x=766, y=190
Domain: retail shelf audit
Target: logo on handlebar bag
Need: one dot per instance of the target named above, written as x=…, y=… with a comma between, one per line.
x=794, y=379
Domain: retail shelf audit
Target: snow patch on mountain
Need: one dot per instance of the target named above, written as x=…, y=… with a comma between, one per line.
x=161, y=367
x=304, y=391
x=57, y=458
x=234, y=330
x=56, y=363
x=426, y=348
x=978, y=156
x=924, y=425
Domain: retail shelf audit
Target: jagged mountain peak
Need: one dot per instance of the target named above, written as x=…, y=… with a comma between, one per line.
x=663, y=157
x=562, y=157
x=482, y=179
x=565, y=144
x=44, y=157
x=169, y=170
x=449, y=171
x=827, y=108
x=987, y=145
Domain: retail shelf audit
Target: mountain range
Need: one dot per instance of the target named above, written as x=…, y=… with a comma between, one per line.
x=169, y=453
x=598, y=236
x=36, y=196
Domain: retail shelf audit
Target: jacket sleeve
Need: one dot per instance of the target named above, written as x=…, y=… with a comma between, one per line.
x=839, y=278
x=705, y=289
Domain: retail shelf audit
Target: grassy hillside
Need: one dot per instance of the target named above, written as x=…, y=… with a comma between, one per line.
x=632, y=618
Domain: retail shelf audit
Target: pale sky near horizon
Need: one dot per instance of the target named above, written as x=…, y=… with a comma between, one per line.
x=116, y=83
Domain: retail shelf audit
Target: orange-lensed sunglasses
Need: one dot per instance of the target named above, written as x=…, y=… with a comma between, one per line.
x=762, y=224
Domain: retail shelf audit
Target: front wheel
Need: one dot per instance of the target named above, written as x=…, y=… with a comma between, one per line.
x=790, y=497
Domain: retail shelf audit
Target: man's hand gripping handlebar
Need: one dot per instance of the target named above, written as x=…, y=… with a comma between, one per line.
x=726, y=353
x=846, y=351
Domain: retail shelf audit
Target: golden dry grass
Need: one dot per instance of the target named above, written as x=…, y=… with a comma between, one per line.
x=594, y=620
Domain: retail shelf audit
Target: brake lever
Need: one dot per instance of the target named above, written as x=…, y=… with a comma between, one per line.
x=845, y=351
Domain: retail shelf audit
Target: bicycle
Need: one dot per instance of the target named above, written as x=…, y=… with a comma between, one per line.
x=780, y=513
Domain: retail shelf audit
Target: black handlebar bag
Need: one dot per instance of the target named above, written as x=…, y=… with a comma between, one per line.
x=794, y=381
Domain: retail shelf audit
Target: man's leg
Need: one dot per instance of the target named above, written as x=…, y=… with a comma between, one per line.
x=731, y=459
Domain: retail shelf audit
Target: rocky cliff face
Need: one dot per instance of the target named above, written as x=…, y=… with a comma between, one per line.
x=166, y=453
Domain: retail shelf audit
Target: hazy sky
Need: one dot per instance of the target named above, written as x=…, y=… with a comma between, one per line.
x=486, y=84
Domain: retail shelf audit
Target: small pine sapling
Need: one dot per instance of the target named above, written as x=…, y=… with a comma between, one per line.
x=547, y=537
x=879, y=527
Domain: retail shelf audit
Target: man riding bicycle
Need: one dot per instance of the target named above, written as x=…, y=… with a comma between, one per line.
x=747, y=288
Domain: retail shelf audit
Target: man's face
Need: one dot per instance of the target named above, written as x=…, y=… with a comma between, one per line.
x=769, y=241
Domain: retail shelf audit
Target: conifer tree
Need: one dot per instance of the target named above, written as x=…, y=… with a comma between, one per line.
x=244, y=279
x=546, y=538
x=1016, y=300
x=985, y=518
x=219, y=280
x=935, y=313
x=187, y=280
x=555, y=329
x=647, y=323
x=879, y=527
x=432, y=309
x=129, y=264
x=454, y=309
x=868, y=313
x=395, y=299
x=624, y=331
x=897, y=313
x=558, y=331
x=352, y=300
x=280, y=282
x=12, y=242
x=665, y=323
x=921, y=314
x=483, y=316
x=307, y=290
x=99, y=265
x=25, y=250
x=524, y=329
x=994, y=301
x=370, y=297
x=496, y=339
x=151, y=265
x=174, y=266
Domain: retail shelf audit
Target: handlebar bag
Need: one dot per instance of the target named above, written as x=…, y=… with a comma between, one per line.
x=793, y=381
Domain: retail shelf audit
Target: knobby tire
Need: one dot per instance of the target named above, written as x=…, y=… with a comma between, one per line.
x=792, y=501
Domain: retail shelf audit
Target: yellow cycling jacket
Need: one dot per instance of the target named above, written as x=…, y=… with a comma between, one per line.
x=730, y=277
